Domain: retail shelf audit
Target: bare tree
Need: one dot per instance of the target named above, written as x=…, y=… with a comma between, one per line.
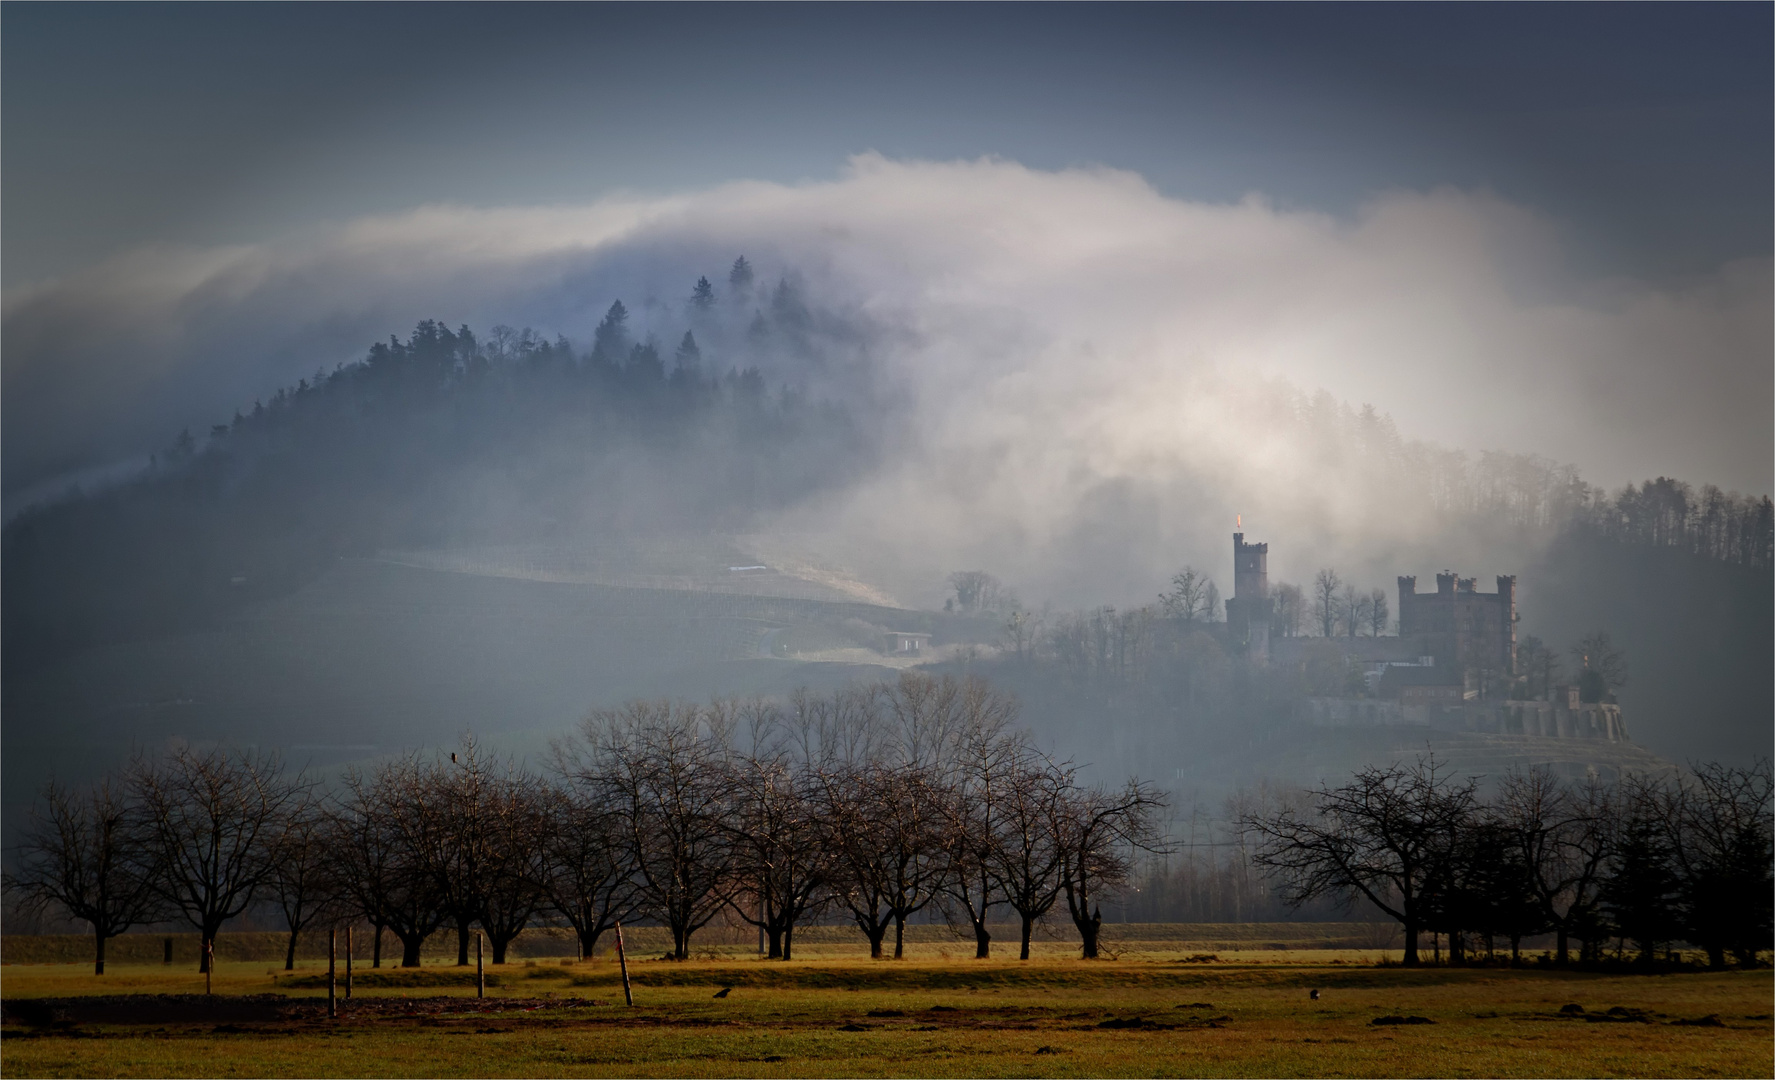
x=1602, y=667
x=515, y=815
x=589, y=872
x=1563, y=837
x=1289, y=612
x=1722, y=846
x=1387, y=836
x=988, y=754
x=1539, y=666
x=86, y=852
x=976, y=590
x=1326, y=610
x=1098, y=831
x=303, y=882
x=1032, y=857
x=1353, y=609
x=1378, y=614
x=782, y=843
x=382, y=832
x=667, y=771
x=212, y=816
x=1188, y=599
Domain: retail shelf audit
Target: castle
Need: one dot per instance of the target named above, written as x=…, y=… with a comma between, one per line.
x=1452, y=664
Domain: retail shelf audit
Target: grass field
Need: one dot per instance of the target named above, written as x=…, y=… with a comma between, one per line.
x=1152, y=1012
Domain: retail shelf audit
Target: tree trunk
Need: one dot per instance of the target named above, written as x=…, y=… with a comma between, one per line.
x=376, y=946
x=982, y=941
x=1411, y=943
x=1716, y=956
x=501, y=942
x=410, y=948
x=775, y=934
x=1089, y=927
x=680, y=943
x=875, y=934
x=290, y=952
x=462, y=941
x=1028, y=927
x=899, y=937
x=1562, y=946
x=788, y=940
x=98, y=963
x=588, y=942
x=1515, y=950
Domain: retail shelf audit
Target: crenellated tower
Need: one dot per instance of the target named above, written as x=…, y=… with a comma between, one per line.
x=1248, y=611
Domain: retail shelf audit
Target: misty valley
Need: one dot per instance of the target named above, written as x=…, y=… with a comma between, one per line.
x=492, y=536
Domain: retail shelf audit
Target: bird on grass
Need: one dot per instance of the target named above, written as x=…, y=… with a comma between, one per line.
x=724, y=991
x=1314, y=994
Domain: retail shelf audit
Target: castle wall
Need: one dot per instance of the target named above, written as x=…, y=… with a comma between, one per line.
x=1460, y=626
x=1545, y=719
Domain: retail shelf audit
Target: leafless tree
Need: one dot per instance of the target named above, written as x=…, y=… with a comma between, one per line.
x=783, y=845
x=87, y=852
x=1032, y=857
x=212, y=816
x=1353, y=608
x=1188, y=599
x=1098, y=831
x=1288, y=614
x=515, y=818
x=976, y=590
x=1387, y=836
x=382, y=832
x=1326, y=609
x=1563, y=837
x=304, y=882
x=1539, y=666
x=589, y=872
x=1378, y=614
x=666, y=770
x=988, y=752
x=1722, y=847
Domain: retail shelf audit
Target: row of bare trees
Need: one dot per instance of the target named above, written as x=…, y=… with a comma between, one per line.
x=874, y=804
x=1647, y=860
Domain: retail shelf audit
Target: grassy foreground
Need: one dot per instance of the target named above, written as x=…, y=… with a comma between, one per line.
x=1146, y=1015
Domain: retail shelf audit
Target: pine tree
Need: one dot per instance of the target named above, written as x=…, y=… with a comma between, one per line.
x=702, y=298
x=740, y=277
x=611, y=340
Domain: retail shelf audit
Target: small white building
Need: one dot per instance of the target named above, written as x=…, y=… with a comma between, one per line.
x=908, y=644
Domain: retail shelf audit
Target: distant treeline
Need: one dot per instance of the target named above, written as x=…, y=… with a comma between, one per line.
x=869, y=805
x=443, y=437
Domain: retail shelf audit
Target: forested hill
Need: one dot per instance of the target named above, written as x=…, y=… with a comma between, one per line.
x=443, y=438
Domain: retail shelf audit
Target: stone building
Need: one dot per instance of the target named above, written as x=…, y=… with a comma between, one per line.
x=1248, y=609
x=1463, y=628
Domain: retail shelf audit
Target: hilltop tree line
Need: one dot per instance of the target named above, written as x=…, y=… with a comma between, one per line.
x=1646, y=860
x=449, y=436
x=872, y=805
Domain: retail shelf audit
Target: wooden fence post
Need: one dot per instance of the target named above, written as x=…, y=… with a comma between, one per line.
x=332, y=966
x=622, y=959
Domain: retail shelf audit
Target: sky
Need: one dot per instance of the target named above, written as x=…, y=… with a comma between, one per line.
x=1543, y=227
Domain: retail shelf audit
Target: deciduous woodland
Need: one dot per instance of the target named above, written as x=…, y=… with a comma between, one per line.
x=872, y=806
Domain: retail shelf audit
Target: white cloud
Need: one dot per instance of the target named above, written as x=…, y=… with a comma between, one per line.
x=1075, y=338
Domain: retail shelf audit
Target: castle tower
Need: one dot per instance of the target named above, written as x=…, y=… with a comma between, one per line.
x=1248, y=611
